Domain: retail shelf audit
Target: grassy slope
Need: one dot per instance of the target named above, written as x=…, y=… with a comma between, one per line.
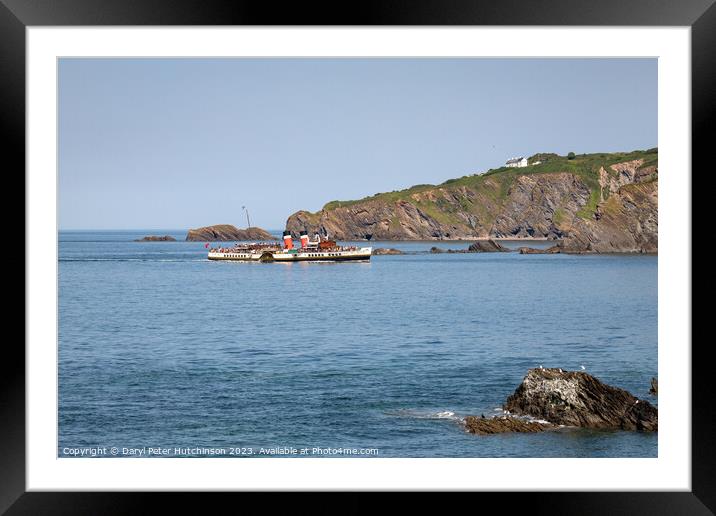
x=495, y=183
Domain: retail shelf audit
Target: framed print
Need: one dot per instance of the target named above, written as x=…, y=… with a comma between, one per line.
x=414, y=250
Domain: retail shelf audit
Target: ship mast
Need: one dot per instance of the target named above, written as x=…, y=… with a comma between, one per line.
x=248, y=220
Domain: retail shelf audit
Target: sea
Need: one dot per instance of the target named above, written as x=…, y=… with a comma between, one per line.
x=162, y=350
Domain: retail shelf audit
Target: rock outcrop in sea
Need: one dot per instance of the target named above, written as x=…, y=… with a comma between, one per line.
x=576, y=398
x=501, y=424
x=487, y=246
x=481, y=246
x=227, y=232
x=594, y=203
x=154, y=238
x=555, y=249
x=552, y=398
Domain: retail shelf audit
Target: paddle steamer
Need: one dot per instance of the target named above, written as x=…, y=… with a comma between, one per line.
x=322, y=249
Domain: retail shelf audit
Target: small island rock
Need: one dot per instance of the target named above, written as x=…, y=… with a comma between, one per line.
x=555, y=249
x=227, y=232
x=481, y=246
x=575, y=398
x=487, y=246
x=154, y=238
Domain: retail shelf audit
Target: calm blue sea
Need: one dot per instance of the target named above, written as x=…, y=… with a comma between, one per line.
x=159, y=347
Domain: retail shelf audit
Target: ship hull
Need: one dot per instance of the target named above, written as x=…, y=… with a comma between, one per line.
x=322, y=257
x=362, y=254
x=235, y=257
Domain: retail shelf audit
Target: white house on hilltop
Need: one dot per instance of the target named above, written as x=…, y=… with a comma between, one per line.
x=516, y=162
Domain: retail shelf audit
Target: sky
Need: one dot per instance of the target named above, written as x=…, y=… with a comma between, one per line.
x=184, y=143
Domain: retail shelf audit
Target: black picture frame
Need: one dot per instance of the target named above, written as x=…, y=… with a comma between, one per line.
x=16, y=15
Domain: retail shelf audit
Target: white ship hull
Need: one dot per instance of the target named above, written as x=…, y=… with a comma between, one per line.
x=362, y=253
x=242, y=257
x=298, y=255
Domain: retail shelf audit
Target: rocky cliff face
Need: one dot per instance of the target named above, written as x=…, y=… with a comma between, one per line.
x=594, y=203
x=535, y=201
x=626, y=219
x=227, y=232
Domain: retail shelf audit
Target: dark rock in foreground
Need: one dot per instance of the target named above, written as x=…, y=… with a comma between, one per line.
x=154, y=238
x=574, y=398
x=487, y=246
x=501, y=424
x=654, y=389
x=386, y=250
x=227, y=232
x=531, y=250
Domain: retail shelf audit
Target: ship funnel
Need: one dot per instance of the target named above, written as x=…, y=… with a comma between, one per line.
x=304, y=238
x=287, y=240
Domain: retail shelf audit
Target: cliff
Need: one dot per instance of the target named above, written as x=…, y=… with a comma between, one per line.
x=226, y=232
x=594, y=203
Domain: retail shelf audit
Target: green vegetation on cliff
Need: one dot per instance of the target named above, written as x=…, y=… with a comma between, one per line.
x=605, y=202
x=495, y=184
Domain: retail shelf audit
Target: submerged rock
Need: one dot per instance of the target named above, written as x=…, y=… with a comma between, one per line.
x=386, y=250
x=436, y=250
x=154, y=238
x=501, y=424
x=487, y=246
x=575, y=398
x=227, y=232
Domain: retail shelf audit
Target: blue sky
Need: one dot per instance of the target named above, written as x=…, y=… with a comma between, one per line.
x=180, y=143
